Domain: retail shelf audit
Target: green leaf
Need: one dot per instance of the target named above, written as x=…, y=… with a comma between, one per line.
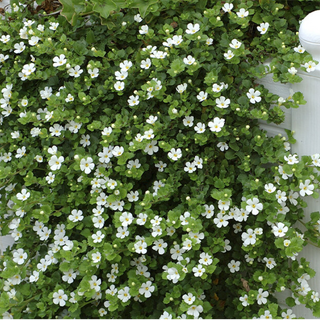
x=104, y=8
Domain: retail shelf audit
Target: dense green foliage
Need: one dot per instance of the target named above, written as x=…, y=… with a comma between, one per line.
x=134, y=176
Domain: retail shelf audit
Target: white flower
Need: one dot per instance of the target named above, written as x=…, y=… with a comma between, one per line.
x=173, y=275
x=223, y=146
x=221, y=220
x=316, y=159
x=229, y=55
x=198, y=162
x=234, y=266
x=261, y=297
x=190, y=167
x=217, y=124
x=181, y=87
x=56, y=129
x=248, y=237
x=263, y=28
x=23, y=195
x=281, y=196
x=175, y=154
x=146, y=289
x=69, y=276
x=33, y=40
x=46, y=93
x=75, y=72
x=166, y=315
x=59, y=61
x=269, y=262
x=97, y=237
x=126, y=219
x=145, y=64
x=189, y=60
x=195, y=311
x=310, y=66
x=159, y=245
x=60, y=298
x=117, y=151
x=200, y=127
x=50, y=177
x=254, y=206
x=151, y=147
x=192, y=28
x=188, y=298
x=306, y=188
x=254, y=96
x=133, y=101
x=19, y=47
x=242, y=13
x=292, y=70
x=299, y=49
x=244, y=300
x=216, y=87
x=142, y=219
x=123, y=294
x=222, y=102
x=94, y=73
x=53, y=25
x=137, y=18
x=205, y=259
x=291, y=159
x=188, y=121
x=227, y=7
x=5, y=38
x=121, y=75
x=19, y=256
x=270, y=188
x=144, y=29
x=279, y=230
x=95, y=283
x=96, y=257
x=76, y=215
x=235, y=44
x=119, y=85
x=288, y=314
x=87, y=165
x=125, y=65
x=202, y=96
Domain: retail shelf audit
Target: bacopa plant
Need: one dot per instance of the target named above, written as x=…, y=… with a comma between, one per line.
x=134, y=177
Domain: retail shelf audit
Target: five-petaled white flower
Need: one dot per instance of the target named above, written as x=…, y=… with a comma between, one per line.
x=227, y=7
x=310, y=66
x=19, y=256
x=146, y=289
x=175, y=154
x=23, y=195
x=254, y=206
x=242, y=13
x=123, y=294
x=60, y=298
x=280, y=229
x=261, y=297
x=254, y=96
x=306, y=188
x=86, y=165
x=234, y=266
x=263, y=28
x=217, y=124
x=59, y=61
x=229, y=55
x=192, y=28
x=189, y=60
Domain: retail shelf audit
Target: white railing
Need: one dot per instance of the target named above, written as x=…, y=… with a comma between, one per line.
x=304, y=121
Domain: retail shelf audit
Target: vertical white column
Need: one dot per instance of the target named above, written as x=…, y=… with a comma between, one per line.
x=305, y=123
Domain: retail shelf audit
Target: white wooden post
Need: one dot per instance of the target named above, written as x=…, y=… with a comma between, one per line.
x=304, y=121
